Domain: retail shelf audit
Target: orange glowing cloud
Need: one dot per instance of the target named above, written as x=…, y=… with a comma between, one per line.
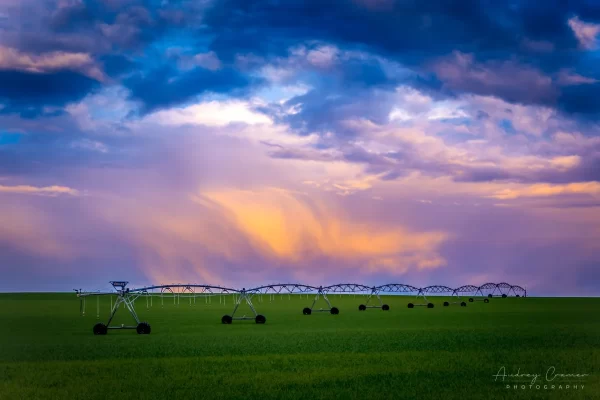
x=262, y=230
x=40, y=191
x=290, y=226
x=546, y=190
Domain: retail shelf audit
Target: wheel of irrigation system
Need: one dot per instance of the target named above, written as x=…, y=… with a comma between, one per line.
x=226, y=319
x=143, y=328
x=260, y=319
x=429, y=305
x=470, y=299
x=446, y=304
x=486, y=300
x=410, y=305
x=100, y=329
x=504, y=296
x=334, y=311
x=518, y=296
x=306, y=311
x=490, y=295
x=463, y=304
x=362, y=307
x=385, y=307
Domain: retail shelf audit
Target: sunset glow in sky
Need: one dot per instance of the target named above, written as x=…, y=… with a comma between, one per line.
x=243, y=142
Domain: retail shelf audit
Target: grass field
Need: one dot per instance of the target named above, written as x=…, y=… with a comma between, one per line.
x=48, y=351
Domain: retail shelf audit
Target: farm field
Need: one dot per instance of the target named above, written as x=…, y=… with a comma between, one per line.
x=48, y=351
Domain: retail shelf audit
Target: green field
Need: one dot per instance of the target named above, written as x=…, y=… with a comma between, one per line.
x=48, y=351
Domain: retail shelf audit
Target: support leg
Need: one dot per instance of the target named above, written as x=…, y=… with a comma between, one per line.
x=320, y=293
x=247, y=297
x=374, y=293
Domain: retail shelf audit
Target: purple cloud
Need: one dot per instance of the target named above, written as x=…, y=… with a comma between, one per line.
x=235, y=142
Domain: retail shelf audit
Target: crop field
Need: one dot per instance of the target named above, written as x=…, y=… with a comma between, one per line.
x=48, y=351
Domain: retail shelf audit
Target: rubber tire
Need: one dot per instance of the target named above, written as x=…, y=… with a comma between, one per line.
x=306, y=311
x=260, y=319
x=518, y=295
x=446, y=304
x=429, y=305
x=100, y=329
x=334, y=311
x=470, y=299
x=463, y=304
x=504, y=296
x=385, y=307
x=226, y=319
x=411, y=305
x=362, y=307
x=143, y=328
x=490, y=295
x=486, y=300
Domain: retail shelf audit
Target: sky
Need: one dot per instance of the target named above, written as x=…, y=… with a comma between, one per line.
x=247, y=142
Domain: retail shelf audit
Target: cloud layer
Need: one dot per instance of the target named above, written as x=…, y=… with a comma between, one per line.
x=244, y=142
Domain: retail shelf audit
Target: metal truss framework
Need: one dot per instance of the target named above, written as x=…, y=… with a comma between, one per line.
x=127, y=297
x=474, y=291
x=436, y=289
x=502, y=289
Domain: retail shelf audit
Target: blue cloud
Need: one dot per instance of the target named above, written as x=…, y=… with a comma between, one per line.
x=581, y=99
x=532, y=35
x=27, y=93
x=167, y=86
x=117, y=65
x=414, y=34
x=507, y=126
x=7, y=138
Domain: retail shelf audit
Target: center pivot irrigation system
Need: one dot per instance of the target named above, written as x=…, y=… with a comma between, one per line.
x=127, y=297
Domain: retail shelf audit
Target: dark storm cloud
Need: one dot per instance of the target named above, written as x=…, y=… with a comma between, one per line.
x=410, y=30
x=117, y=65
x=407, y=28
x=120, y=25
x=76, y=26
x=519, y=46
x=111, y=34
x=522, y=43
x=581, y=100
x=166, y=86
x=26, y=93
x=508, y=80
